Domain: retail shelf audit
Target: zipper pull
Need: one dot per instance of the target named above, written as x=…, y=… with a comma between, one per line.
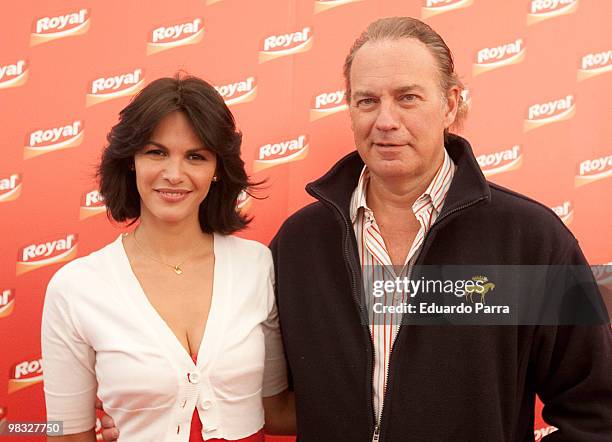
x=376, y=433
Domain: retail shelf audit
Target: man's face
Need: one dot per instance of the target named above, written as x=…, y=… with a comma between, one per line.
x=397, y=108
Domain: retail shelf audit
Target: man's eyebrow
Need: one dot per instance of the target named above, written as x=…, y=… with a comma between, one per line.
x=400, y=90
x=363, y=93
x=409, y=88
x=161, y=146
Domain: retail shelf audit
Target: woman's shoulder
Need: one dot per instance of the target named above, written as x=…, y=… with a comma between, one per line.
x=245, y=248
x=86, y=269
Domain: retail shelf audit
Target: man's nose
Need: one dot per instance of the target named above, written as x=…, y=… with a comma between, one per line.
x=387, y=118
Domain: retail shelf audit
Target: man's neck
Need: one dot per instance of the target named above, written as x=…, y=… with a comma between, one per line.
x=397, y=195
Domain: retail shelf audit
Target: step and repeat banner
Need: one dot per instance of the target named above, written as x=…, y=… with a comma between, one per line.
x=538, y=76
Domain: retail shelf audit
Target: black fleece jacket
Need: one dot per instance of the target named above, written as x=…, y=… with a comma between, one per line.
x=446, y=383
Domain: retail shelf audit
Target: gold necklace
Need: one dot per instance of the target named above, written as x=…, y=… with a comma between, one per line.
x=177, y=268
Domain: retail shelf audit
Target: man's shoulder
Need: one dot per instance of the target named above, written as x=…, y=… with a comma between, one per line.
x=511, y=206
x=313, y=223
x=308, y=215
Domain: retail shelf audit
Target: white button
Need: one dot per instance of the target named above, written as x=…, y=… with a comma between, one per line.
x=193, y=377
x=206, y=404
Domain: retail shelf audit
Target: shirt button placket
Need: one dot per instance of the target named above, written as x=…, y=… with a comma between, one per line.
x=193, y=377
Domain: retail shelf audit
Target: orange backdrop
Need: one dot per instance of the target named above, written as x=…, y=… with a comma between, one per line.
x=537, y=73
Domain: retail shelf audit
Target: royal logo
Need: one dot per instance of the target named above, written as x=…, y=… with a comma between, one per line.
x=10, y=187
x=541, y=432
x=550, y=112
x=92, y=204
x=243, y=202
x=270, y=155
x=595, y=63
x=435, y=7
x=593, y=170
x=7, y=302
x=324, y=5
x=544, y=9
x=51, y=28
x=276, y=46
x=496, y=57
x=43, y=141
x=239, y=92
x=168, y=37
x=212, y=2
x=565, y=211
x=37, y=255
x=14, y=74
x=25, y=374
x=328, y=103
x=501, y=161
x=108, y=88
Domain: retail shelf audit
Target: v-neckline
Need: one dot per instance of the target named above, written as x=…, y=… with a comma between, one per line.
x=213, y=329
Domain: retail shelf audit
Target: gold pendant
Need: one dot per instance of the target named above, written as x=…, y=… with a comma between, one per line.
x=178, y=270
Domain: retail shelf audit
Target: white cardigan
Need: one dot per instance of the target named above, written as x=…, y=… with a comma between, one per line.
x=101, y=336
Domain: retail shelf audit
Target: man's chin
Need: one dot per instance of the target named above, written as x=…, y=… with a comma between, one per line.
x=393, y=170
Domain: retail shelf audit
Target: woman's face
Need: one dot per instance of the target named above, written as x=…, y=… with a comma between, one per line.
x=174, y=172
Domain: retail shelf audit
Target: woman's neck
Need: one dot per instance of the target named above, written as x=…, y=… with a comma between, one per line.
x=172, y=242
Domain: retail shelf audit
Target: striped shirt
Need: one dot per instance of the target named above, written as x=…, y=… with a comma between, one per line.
x=376, y=263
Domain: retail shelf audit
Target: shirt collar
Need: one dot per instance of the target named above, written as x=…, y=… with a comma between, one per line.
x=358, y=199
x=435, y=193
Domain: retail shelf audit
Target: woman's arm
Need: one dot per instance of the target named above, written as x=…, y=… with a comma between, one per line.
x=278, y=400
x=69, y=375
x=280, y=413
x=86, y=436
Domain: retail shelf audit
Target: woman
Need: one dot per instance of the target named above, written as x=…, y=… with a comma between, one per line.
x=173, y=326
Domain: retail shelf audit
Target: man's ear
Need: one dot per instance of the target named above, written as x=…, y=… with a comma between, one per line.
x=451, y=105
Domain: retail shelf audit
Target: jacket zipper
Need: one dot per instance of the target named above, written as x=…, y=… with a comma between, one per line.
x=382, y=405
x=347, y=257
x=378, y=429
x=378, y=432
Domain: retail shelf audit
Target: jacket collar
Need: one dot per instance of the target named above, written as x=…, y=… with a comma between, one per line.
x=469, y=184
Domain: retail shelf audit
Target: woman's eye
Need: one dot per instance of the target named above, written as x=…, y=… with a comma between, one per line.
x=154, y=152
x=196, y=156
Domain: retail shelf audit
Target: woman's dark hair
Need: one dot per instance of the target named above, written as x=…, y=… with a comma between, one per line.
x=214, y=124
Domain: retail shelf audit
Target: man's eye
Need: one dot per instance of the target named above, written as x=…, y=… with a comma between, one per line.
x=366, y=102
x=408, y=97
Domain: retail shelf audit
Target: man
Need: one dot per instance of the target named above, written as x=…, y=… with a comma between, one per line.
x=413, y=195
x=417, y=203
